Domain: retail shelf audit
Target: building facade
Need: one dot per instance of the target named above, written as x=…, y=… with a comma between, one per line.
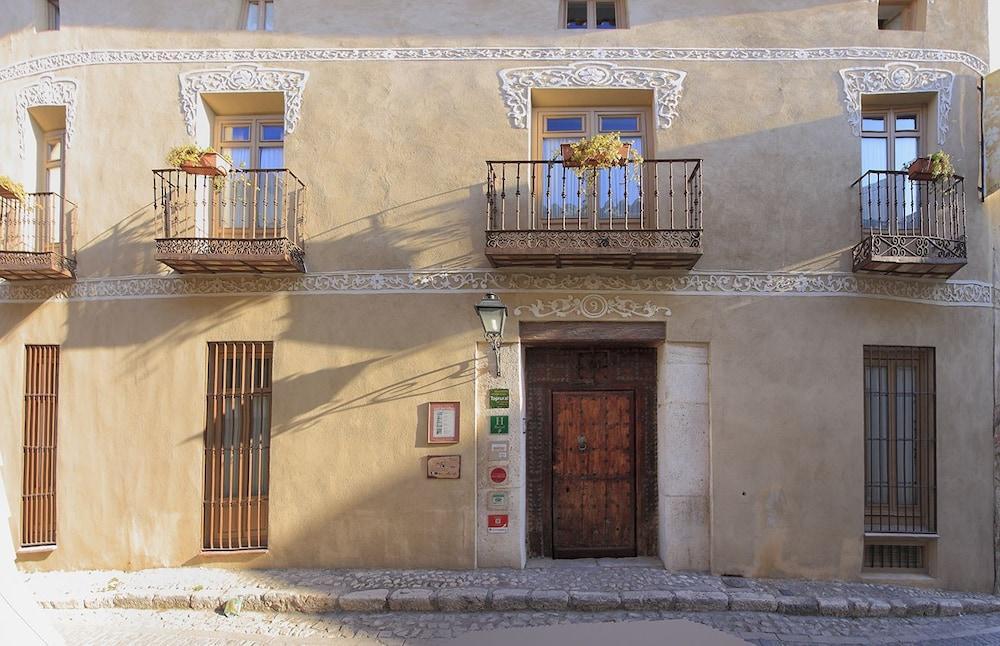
x=761, y=350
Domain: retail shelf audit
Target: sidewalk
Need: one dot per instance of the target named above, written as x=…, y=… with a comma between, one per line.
x=592, y=586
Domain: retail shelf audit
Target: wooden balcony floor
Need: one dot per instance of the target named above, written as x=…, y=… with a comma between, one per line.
x=227, y=255
x=648, y=249
x=28, y=265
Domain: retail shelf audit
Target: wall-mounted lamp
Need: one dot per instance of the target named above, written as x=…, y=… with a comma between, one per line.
x=493, y=313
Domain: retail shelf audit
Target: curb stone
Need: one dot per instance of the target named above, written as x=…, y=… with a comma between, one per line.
x=411, y=600
x=649, y=600
x=175, y=601
x=949, y=608
x=798, y=605
x=462, y=599
x=365, y=600
x=206, y=600
x=509, y=599
x=594, y=601
x=702, y=601
x=752, y=602
x=548, y=600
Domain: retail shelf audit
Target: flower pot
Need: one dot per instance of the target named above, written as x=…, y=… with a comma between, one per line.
x=566, y=150
x=6, y=194
x=920, y=169
x=212, y=164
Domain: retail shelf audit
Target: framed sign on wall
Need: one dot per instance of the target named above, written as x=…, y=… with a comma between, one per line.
x=442, y=422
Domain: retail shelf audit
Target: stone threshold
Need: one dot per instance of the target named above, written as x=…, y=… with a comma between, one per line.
x=476, y=599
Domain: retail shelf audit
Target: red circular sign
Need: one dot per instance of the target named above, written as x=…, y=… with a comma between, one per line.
x=498, y=475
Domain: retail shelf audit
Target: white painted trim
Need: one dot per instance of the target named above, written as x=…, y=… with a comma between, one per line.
x=242, y=78
x=66, y=60
x=954, y=293
x=897, y=78
x=47, y=91
x=516, y=85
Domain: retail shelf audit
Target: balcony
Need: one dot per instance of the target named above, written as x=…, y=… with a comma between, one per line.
x=910, y=227
x=38, y=238
x=247, y=221
x=541, y=214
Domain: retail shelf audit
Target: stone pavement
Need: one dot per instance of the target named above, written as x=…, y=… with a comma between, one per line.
x=117, y=627
x=598, y=586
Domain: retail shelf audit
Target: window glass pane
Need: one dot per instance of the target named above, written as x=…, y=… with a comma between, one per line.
x=561, y=181
x=273, y=157
x=873, y=124
x=606, y=15
x=874, y=154
x=564, y=124
x=623, y=197
x=906, y=436
x=252, y=18
x=877, y=435
x=272, y=133
x=619, y=124
x=241, y=156
x=236, y=133
x=576, y=15
x=906, y=122
x=906, y=151
x=54, y=150
x=269, y=16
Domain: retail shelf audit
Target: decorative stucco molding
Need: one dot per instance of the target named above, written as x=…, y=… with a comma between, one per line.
x=48, y=90
x=243, y=78
x=895, y=78
x=516, y=85
x=592, y=306
x=839, y=284
x=65, y=60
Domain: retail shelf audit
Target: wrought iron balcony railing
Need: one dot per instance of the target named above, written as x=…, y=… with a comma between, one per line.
x=249, y=220
x=38, y=237
x=914, y=227
x=547, y=214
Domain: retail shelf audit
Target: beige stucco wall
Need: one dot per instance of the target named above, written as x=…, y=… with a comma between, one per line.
x=392, y=153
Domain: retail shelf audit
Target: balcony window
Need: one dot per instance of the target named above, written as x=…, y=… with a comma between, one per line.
x=593, y=14
x=890, y=140
x=902, y=15
x=258, y=15
x=52, y=15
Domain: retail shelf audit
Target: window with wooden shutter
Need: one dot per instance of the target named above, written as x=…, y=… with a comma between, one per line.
x=237, y=445
x=38, y=489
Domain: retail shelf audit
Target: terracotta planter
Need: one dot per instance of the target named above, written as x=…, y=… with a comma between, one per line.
x=920, y=169
x=9, y=195
x=212, y=164
x=566, y=150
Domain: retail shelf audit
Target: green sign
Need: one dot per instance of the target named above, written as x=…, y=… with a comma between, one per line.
x=499, y=398
x=499, y=425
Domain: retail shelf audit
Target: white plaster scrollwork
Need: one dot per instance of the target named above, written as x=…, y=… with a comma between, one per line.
x=64, y=60
x=516, y=85
x=897, y=78
x=243, y=78
x=954, y=293
x=592, y=306
x=48, y=90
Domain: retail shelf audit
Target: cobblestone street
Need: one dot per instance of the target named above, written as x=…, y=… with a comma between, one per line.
x=190, y=628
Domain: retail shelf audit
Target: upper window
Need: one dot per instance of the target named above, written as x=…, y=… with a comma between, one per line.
x=258, y=15
x=902, y=15
x=52, y=15
x=593, y=14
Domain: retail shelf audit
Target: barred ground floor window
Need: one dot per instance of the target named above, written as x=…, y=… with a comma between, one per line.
x=237, y=445
x=38, y=488
x=900, y=456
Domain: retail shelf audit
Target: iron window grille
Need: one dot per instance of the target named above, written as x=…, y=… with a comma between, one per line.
x=900, y=441
x=38, y=489
x=237, y=445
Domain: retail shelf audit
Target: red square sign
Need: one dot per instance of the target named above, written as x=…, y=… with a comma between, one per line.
x=497, y=523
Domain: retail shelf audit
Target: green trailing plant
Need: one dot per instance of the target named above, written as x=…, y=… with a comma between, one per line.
x=15, y=188
x=602, y=151
x=190, y=155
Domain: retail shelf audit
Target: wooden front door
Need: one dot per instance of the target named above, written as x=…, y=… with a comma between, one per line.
x=593, y=474
x=607, y=395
